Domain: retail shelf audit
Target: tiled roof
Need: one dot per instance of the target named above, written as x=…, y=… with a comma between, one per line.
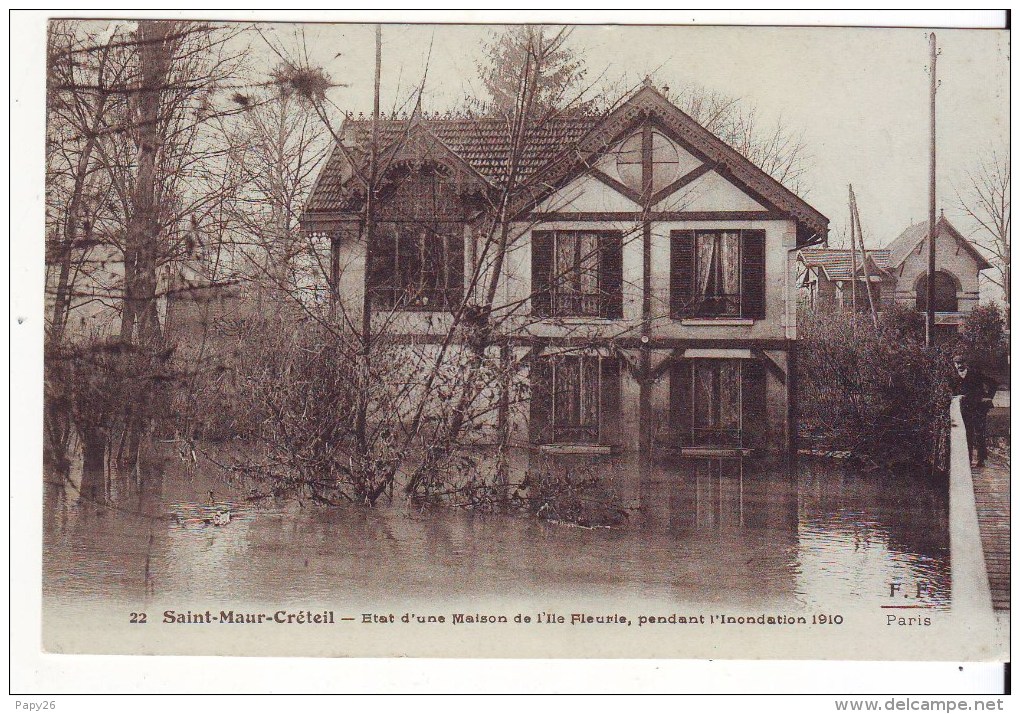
x=837, y=262
x=911, y=238
x=901, y=246
x=481, y=146
x=483, y=143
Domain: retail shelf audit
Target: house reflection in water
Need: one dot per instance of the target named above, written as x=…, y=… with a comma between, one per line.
x=752, y=529
x=719, y=493
x=720, y=531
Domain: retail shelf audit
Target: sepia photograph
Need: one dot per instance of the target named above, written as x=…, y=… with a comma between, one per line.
x=525, y=340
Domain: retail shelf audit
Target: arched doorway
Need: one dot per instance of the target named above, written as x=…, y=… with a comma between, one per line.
x=945, y=292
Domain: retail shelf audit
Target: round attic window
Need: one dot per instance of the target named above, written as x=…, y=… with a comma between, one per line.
x=665, y=162
x=628, y=162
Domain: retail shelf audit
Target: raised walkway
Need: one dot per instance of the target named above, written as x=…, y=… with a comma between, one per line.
x=971, y=593
x=991, y=496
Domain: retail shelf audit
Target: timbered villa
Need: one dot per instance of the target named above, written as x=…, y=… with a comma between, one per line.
x=648, y=284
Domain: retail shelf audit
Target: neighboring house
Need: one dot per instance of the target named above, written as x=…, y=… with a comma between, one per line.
x=202, y=315
x=899, y=274
x=96, y=287
x=649, y=281
x=825, y=282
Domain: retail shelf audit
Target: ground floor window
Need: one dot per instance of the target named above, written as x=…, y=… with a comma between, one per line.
x=717, y=403
x=575, y=403
x=715, y=407
x=574, y=399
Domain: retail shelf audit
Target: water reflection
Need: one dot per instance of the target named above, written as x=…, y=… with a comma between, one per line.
x=728, y=531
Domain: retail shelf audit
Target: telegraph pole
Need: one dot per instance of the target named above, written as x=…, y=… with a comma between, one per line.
x=369, y=229
x=855, y=219
x=369, y=234
x=853, y=256
x=929, y=321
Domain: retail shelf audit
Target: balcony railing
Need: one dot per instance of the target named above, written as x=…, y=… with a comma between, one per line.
x=717, y=306
x=583, y=434
x=577, y=304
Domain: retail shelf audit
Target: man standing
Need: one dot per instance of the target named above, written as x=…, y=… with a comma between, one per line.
x=976, y=392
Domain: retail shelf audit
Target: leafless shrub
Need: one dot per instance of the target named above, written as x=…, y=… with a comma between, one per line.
x=551, y=490
x=880, y=393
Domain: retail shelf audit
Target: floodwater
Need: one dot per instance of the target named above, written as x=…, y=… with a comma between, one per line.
x=724, y=531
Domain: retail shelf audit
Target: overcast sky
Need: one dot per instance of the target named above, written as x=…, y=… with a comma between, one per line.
x=858, y=96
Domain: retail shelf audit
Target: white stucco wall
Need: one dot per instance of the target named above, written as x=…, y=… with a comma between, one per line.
x=951, y=258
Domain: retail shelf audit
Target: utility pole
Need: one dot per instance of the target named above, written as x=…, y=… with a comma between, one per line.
x=855, y=219
x=853, y=257
x=929, y=321
x=369, y=234
x=369, y=231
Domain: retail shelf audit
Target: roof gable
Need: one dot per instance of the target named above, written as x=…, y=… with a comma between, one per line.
x=709, y=191
x=909, y=240
x=647, y=103
x=558, y=150
x=586, y=194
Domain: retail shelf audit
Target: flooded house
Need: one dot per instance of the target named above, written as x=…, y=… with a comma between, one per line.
x=646, y=270
x=191, y=300
x=898, y=274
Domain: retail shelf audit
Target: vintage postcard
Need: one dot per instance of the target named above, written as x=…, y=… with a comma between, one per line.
x=593, y=341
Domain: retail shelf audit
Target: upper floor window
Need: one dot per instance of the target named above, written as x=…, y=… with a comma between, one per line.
x=945, y=293
x=577, y=274
x=416, y=266
x=717, y=273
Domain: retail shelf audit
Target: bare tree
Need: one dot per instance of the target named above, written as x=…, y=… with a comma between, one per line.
x=986, y=200
x=776, y=148
x=279, y=146
x=393, y=405
x=131, y=164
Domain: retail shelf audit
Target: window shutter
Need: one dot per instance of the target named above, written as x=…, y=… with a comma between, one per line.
x=541, y=271
x=680, y=407
x=611, y=274
x=681, y=273
x=753, y=421
x=609, y=402
x=540, y=421
x=381, y=264
x=455, y=265
x=752, y=298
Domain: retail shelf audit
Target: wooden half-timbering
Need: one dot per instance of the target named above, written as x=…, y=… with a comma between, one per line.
x=643, y=255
